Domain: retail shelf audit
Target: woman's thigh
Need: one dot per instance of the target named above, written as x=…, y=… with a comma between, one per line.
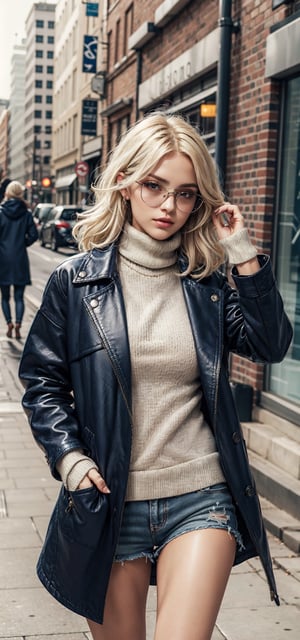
x=192, y=573
x=125, y=605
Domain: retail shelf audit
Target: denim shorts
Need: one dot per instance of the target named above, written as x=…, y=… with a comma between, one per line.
x=149, y=525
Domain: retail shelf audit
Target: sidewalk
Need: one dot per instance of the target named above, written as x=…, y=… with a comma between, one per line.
x=27, y=494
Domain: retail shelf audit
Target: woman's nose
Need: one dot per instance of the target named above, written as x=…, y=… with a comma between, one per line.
x=170, y=202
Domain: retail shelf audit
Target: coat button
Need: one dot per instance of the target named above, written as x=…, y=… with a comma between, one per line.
x=249, y=491
x=94, y=303
x=214, y=297
x=236, y=437
x=82, y=274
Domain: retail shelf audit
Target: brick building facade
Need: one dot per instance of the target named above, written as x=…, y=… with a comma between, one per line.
x=167, y=55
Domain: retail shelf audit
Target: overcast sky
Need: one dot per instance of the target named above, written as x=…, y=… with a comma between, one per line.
x=13, y=14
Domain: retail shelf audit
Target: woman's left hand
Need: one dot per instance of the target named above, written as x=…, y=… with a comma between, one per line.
x=227, y=219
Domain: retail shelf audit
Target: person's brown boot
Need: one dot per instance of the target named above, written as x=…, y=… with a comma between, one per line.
x=10, y=327
x=17, y=330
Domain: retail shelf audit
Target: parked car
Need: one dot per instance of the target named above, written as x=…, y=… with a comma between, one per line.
x=57, y=227
x=40, y=212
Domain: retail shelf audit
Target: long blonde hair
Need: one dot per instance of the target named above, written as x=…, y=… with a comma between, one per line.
x=135, y=156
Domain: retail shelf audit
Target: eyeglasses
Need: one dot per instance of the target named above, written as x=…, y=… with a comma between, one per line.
x=154, y=195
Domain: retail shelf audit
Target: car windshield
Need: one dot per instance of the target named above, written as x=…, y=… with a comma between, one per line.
x=69, y=214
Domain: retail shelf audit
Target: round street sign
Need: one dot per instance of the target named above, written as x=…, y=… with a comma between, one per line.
x=81, y=169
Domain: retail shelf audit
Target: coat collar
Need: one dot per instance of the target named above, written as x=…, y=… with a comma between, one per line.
x=97, y=264
x=102, y=263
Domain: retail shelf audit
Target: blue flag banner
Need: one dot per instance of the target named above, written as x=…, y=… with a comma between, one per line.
x=92, y=9
x=89, y=118
x=89, y=60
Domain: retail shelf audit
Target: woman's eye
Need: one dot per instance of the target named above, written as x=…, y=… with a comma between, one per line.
x=187, y=195
x=152, y=186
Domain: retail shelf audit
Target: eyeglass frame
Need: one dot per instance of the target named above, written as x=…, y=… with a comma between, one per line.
x=173, y=193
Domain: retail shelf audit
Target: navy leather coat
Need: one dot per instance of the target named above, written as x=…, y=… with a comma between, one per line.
x=76, y=370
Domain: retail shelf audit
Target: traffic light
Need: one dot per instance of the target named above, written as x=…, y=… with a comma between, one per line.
x=46, y=182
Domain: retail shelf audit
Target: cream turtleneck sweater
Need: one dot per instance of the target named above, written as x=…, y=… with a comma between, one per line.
x=173, y=449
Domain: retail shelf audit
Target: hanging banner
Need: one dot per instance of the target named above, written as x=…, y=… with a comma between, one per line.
x=92, y=9
x=89, y=61
x=89, y=118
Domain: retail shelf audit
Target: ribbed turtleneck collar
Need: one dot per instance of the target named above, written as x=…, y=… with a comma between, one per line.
x=141, y=249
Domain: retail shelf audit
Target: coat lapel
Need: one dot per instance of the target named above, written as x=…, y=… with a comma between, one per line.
x=204, y=304
x=105, y=304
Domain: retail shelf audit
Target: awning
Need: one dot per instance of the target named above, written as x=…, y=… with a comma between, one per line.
x=65, y=181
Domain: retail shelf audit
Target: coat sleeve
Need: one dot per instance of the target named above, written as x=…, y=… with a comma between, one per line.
x=256, y=325
x=44, y=372
x=31, y=230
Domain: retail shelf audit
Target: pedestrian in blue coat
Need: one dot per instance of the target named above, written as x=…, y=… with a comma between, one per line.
x=17, y=232
x=127, y=392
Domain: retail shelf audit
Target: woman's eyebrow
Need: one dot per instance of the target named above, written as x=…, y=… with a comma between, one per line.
x=187, y=184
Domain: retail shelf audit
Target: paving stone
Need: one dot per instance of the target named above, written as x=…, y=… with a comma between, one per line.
x=30, y=509
x=41, y=525
x=32, y=612
x=18, y=533
x=246, y=590
x=59, y=636
x=290, y=565
x=247, y=623
x=18, y=568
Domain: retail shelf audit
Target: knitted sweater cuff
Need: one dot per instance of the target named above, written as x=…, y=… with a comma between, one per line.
x=73, y=467
x=238, y=247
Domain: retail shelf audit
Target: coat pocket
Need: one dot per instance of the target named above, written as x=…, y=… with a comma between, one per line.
x=82, y=515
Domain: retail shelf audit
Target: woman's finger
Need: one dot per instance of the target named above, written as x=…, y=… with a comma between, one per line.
x=98, y=481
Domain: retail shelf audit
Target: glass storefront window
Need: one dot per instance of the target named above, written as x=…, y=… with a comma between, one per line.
x=285, y=377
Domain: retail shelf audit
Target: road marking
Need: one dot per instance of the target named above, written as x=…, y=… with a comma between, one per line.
x=39, y=254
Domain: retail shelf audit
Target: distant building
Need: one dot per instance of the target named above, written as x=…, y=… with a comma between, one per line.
x=40, y=30
x=73, y=94
x=16, y=162
x=4, y=125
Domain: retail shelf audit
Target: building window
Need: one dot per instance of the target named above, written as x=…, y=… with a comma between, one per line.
x=37, y=114
x=50, y=54
x=39, y=84
x=37, y=128
x=128, y=28
x=49, y=69
x=49, y=99
x=49, y=84
x=39, y=24
x=109, y=50
x=39, y=68
x=284, y=377
x=47, y=159
x=50, y=39
x=50, y=24
x=48, y=115
x=39, y=38
x=38, y=98
x=39, y=53
x=117, y=41
x=48, y=129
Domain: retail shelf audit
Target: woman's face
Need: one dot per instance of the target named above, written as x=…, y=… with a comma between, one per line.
x=154, y=211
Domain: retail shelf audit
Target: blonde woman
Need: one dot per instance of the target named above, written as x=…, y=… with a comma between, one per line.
x=17, y=232
x=127, y=391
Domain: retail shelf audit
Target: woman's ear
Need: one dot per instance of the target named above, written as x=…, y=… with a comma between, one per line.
x=124, y=191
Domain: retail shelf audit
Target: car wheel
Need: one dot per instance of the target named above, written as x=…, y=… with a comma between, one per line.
x=53, y=244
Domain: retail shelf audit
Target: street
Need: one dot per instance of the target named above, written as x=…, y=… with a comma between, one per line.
x=42, y=262
x=27, y=495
